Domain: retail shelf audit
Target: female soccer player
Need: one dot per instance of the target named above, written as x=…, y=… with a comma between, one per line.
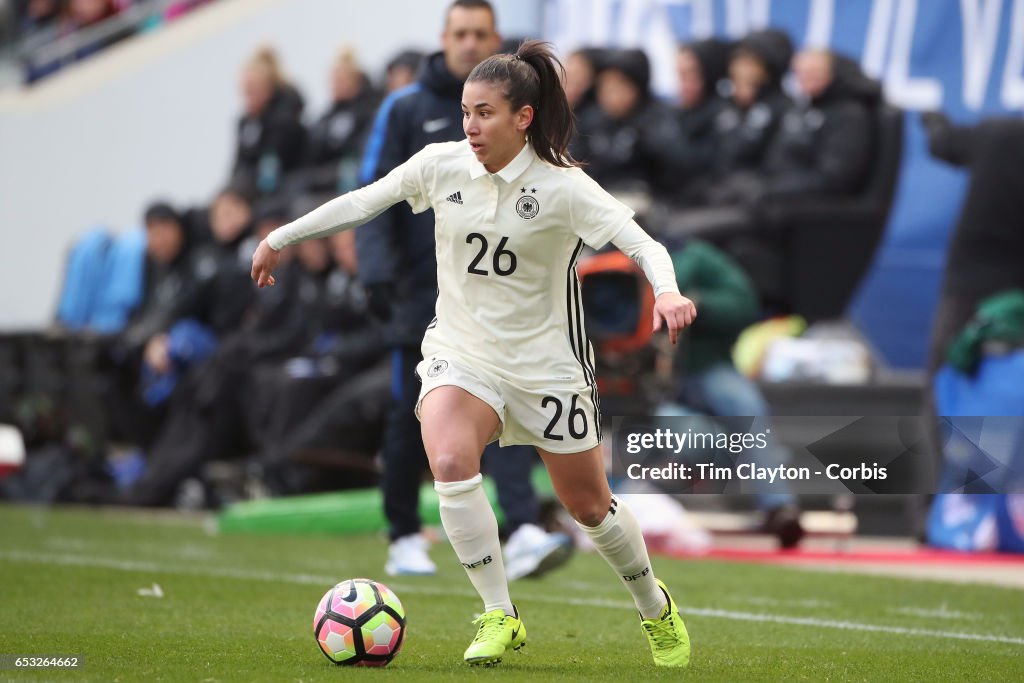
x=507, y=356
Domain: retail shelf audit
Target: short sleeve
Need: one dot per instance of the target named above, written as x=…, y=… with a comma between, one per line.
x=594, y=215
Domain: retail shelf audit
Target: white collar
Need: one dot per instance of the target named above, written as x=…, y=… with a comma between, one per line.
x=512, y=169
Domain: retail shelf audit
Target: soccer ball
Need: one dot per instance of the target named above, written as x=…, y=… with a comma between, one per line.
x=359, y=622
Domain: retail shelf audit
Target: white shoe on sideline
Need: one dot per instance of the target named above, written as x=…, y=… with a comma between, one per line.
x=407, y=556
x=531, y=551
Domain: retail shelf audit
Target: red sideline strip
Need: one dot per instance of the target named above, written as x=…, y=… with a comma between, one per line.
x=924, y=556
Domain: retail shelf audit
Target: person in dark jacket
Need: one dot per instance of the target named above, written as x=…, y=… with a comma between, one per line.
x=686, y=148
x=823, y=145
x=192, y=296
x=746, y=126
x=221, y=259
x=984, y=252
x=207, y=417
x=326, y=408
x=335, y=141
x=822, y=149
x=271, y=137
x=169, y=293
x=617, y=138
x=399, y=269
x=165, y=279
x=209, y=303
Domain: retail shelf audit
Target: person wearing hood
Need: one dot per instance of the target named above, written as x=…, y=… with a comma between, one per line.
x=745, y=127
x=686, y=146
x=335, y=141
x=824, y=144
x=166, y=274
x=618, y=137
x=398, y=268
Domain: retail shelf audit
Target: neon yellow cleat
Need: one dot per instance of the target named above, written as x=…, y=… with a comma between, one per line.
x=498, y=633
x=670, y=643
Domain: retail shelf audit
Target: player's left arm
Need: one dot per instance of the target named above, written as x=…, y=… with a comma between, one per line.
x=670, y=307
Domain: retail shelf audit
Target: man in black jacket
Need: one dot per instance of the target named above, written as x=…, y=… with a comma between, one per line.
x=824, y=145
x=399, y=269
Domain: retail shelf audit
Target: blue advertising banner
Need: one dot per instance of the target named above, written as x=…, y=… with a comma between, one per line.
x=965, y=57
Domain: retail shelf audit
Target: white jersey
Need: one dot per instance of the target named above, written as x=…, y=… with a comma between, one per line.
x=507, y=244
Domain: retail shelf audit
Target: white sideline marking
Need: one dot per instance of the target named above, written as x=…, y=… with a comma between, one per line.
x=854, y=626
x=942, y=612
x=772, y=602
x=312, y=579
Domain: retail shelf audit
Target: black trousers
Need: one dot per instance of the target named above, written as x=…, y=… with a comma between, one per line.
x=324, y=431
x=189, y=436
x=405, y=460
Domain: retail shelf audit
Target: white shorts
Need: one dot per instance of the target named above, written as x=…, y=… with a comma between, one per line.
x=561, y=419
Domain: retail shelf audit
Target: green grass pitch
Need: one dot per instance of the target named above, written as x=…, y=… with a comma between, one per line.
x=239, y=608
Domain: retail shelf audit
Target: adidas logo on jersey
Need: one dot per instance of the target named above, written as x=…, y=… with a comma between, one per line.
x=455, y=197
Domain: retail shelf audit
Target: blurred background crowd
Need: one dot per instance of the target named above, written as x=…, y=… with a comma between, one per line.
x=770, y=174
x=47, y=35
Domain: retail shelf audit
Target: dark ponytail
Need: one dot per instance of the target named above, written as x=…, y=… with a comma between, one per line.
x=533, y=76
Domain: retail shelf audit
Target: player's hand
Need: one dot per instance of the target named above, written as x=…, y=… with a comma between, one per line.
x=676, y=310
x=264, y=260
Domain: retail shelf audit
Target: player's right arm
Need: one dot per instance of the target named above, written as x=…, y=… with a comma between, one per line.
x=343, y=213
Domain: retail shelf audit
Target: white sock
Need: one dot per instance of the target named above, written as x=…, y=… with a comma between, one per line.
x=619, y=540
x=469, y=521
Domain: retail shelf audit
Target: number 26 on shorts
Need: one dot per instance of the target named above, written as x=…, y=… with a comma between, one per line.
x=576, y=420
